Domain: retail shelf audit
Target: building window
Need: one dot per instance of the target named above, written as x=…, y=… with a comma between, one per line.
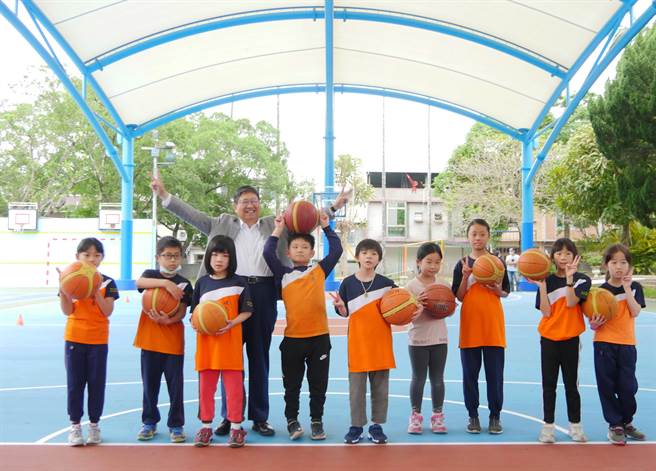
x=396, y=219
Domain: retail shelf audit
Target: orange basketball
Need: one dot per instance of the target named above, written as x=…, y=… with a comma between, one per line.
x=534, y=264
x=398, y=306
x=80, y=280
x=440, y=302
x=600, y=301
x=161, y=300
x=488, y=269
x=301, y=217
x=209, y=317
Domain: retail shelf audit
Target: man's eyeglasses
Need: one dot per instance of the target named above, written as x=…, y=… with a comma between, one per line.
x=247, y=202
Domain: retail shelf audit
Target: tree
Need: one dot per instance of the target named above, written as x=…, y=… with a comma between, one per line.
x=582, y=183
x=624, y=121
x=347, y=174
x=49, y=152
x=483, y=179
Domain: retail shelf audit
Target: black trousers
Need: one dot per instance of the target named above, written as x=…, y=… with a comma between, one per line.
x=153, y=366
x=560, y=355
x=296, y=353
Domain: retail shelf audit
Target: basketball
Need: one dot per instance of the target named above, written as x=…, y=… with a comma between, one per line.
x=209, y=317
x=440, y=302
x=488, y=269
x=160, y=300
x=301, y=217
x=80, y=280
x=534, y=264
x=600, y=301
x=398, y=306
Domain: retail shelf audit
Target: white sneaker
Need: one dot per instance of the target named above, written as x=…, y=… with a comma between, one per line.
x=576, y=433
x=94, y=435
x=75, y=436
x=548, y=433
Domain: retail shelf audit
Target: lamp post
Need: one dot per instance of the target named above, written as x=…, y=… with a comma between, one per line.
x=169, y=158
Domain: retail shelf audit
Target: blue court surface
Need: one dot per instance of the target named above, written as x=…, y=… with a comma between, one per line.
x=33, y=392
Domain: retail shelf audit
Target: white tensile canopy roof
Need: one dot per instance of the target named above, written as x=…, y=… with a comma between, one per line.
x=502, y=60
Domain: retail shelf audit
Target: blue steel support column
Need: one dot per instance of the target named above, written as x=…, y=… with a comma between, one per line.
x=126, y=282
x=527, y=205
x=329, y=165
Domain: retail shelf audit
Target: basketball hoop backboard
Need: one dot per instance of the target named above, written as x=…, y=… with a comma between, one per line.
x=109, y=217
x=22, y=216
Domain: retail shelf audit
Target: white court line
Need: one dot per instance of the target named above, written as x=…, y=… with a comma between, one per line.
x=405, y=380
x=327, y=444
x=62, y=431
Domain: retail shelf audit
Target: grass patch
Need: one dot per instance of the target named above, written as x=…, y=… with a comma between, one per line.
x=649, y=291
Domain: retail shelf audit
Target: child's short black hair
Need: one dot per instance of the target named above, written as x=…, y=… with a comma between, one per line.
x=309, y=238
x=220, y=244
x=478, y=222
x=428, y=248
x=87, y=243
x=168, y=242
x=369, y=244
x=245, y=189
x=563, y=243
x=612, y=250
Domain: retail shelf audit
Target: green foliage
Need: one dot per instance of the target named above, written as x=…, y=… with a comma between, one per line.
x=624, y=121
x=49, y=153
x=582, y=183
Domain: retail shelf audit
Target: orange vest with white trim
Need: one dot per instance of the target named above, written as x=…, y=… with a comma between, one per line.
x=305, y=303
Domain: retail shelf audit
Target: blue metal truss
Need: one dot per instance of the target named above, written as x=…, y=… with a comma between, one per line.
x=61, y=74
x=328, y=13
x=316, y=14
x=320, y=88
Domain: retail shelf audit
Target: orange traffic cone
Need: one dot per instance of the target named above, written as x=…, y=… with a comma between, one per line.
x=19, y=321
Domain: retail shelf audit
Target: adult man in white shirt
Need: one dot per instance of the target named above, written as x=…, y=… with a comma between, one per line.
x=511, y=263
x=249, y=232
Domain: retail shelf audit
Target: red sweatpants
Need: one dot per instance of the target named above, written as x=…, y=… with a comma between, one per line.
x=234, y=390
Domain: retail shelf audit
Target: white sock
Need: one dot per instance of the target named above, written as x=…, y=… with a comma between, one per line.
x=235, y=425
x=207, y=425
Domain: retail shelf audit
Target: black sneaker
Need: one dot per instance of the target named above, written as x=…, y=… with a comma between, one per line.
x=264, y=429
x=295, y=430
x=317, y=430
x=377, y=435
x=474, y=425
x=223, y=428
x=353, y=436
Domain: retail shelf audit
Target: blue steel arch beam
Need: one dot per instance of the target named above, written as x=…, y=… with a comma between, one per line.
x=603, y=33
x=592, y=77
x=344, y=14
x=320, y=88
x=56, y=67
x=47, y=24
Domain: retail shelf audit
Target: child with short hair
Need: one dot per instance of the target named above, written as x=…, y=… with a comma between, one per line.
x=370, y=350
x=222, y=354
x=615, y=353
x=161, y=340
x=86, y=345
x=559, y=299
x=482, y=331
x=307, y=339
x=427, y=343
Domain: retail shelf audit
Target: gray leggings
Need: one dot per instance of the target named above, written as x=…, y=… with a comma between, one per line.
x=431, y=359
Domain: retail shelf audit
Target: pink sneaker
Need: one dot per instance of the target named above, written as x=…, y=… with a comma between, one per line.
x=414, y=427
x=437, y=423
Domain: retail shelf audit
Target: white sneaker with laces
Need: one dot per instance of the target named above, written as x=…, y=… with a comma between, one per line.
x=94, y=435
x=75, y=435
x=576, y=433
x=548, y=433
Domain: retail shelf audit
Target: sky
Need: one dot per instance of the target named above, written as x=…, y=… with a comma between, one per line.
x=358, y=119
